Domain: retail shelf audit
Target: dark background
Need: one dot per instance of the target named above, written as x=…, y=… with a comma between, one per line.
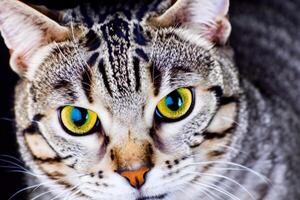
x=243, y=40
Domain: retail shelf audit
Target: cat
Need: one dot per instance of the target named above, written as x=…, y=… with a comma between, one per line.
x=142, y=100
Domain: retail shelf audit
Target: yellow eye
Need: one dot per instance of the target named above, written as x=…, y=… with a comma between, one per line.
x=176, y=105
x=78, y=121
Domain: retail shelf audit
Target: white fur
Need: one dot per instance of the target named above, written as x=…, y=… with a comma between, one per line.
x=194, y=37
x=37, y=59
x=207, y=11
x=23, y=30
x=207, y=18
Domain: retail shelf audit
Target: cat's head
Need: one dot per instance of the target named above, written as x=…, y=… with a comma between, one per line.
x=131, y=108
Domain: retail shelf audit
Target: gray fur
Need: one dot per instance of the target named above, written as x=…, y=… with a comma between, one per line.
x=265, y=37
x=261, y=137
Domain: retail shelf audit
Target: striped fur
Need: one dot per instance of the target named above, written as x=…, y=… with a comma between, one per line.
x=119, y=59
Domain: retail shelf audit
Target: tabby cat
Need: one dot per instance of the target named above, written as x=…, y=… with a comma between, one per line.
x=133, y=100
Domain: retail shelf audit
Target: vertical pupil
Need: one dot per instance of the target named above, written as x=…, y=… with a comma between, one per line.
x=79, y=116
x=174, y=101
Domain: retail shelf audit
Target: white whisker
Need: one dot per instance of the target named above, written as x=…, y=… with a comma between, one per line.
x=12, y=157
x=214, y=187
x=26, y=188
x=64, y=192
x=227, y=178
x=7, y=119
x=13, y=163
x=265, y=179
x=36, y=186
x=28, y=173
x=18, y=168
x=206, y=192
x=74, y=194
x=42, y=194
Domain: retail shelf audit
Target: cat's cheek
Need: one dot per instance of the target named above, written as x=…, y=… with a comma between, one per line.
x=56, y=135
x=38, y=146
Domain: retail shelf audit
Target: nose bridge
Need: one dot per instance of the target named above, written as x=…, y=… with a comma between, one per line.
x=128, y=135
x=132, y=154
x=128, y=109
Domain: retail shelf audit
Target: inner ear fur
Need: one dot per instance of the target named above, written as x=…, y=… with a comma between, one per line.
x=25, y=30
x=208, y=18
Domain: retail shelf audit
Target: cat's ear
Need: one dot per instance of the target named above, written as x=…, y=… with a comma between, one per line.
x=25, y=31
x=207, y=17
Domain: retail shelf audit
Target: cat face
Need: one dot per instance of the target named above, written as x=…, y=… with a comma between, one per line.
x=126, y=109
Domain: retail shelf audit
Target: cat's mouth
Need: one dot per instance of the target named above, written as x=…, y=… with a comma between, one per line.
x=156, y=197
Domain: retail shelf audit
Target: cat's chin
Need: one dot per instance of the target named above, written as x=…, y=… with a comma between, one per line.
x=138, y=196
x=155, y=197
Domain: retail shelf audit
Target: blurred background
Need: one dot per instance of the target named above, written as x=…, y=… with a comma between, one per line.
x=266, y=40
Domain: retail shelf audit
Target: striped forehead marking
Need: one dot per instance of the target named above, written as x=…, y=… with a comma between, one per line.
x=116, y=34
x=119, y=57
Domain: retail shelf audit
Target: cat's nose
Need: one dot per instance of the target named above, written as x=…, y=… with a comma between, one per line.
x=137, y=177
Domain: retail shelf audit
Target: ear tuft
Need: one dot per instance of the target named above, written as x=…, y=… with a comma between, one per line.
x=207, y=17
x=25, y=30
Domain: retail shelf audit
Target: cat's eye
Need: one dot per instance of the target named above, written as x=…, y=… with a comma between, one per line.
x=176, y=105
x=78, y=121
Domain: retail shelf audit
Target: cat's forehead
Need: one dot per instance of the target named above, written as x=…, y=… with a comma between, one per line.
x=123, y=60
